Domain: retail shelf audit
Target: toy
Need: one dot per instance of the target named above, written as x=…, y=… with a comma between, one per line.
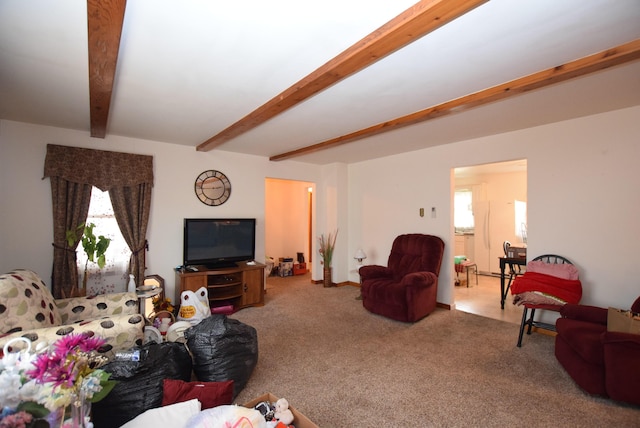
x=193, y=307
x=282, y=413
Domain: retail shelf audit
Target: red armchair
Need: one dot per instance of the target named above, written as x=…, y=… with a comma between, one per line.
x=406, y=289
x=601, y=362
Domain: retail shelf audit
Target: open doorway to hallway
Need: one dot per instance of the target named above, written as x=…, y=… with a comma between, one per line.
x=289, y=220
x=489, y=208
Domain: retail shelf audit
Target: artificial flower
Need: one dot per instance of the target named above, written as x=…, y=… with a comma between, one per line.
x=69, y=372
x=162, y=304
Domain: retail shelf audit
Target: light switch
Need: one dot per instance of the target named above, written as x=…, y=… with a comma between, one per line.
x=421, y=212
x=433, y=212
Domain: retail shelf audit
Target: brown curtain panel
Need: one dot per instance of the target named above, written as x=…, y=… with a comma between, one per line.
x=131, y=207
x=72, y=171
x=70, y=208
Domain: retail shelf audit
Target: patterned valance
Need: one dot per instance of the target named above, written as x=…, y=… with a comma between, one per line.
x=100, y=168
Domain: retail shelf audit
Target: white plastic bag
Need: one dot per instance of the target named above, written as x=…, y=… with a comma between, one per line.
x=228, y=416
x=194, y=306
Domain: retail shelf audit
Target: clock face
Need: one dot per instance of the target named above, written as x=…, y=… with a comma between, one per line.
x=213, y=188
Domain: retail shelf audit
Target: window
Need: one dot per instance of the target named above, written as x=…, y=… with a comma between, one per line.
x=463, y=210
x=113, y=278
x=521, y=221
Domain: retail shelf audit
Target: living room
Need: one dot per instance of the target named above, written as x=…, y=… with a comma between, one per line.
x=580, y=152
x=579, y=139
x=581, y=174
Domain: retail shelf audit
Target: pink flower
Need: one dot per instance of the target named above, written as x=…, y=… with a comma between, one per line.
x=67, y=362
x=16, y=420
x=83, y=342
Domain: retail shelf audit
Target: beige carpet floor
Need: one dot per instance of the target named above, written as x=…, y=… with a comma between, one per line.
x=344, y=367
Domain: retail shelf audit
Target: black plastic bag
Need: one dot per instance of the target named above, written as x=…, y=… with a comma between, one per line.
x=223, y=349
x=140, y=383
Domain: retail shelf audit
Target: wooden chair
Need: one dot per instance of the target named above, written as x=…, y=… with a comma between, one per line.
x=529, y=321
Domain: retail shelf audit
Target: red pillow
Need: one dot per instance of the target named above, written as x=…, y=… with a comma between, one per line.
x=210, y=394
x=559, y=270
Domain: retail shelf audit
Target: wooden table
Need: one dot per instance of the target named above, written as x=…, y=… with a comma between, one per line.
x=511, y=261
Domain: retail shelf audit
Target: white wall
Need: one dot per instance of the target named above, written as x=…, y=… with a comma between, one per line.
x=583, y=199
x=26, y=229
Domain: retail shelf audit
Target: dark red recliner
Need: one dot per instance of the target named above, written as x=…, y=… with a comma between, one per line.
x=406, y=289
x=601, y=362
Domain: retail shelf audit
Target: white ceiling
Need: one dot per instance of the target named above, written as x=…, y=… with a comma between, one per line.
x=188, y=69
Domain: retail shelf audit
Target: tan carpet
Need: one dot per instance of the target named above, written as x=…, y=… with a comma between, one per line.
x=344, y=367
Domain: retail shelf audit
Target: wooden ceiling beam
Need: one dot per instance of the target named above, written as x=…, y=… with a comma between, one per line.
x=420, y=19
x=104, y=22
x=609, y=58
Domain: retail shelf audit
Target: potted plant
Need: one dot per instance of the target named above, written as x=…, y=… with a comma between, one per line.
x=327, y=245
x=94, y=247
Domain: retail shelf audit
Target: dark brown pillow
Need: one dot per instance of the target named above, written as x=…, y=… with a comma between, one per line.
x=210, y=394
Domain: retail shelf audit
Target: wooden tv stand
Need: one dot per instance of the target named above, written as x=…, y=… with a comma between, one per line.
x=240, y=286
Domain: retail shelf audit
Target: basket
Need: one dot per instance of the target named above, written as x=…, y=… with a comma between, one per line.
x=161, y=314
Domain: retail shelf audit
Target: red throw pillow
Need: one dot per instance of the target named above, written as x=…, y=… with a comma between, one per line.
x=210, y=394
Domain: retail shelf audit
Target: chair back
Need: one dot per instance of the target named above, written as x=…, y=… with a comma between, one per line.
x=553, y=259
x=505, y=247
x=416, y=252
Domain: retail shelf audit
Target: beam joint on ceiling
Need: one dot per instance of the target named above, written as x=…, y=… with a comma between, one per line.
x=415, y=22
x=621, y=54
x=104, y=23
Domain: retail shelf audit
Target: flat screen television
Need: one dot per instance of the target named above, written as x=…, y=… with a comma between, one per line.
x=218, y=242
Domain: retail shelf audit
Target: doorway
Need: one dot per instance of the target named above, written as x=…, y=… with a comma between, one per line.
x=497, y=193
x=289, y=220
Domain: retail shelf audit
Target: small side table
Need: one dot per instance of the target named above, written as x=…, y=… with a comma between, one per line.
x=143, y=296
x=465, y=266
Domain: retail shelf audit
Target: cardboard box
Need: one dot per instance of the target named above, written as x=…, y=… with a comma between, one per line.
x=300, y=420
x=299, y=268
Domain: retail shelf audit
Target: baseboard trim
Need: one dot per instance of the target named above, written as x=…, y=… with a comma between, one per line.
x=338, y=284
x=356, y=284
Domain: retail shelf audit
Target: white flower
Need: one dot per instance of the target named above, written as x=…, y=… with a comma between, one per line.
x=10, y=384
x=31, y=391
x=91, y=384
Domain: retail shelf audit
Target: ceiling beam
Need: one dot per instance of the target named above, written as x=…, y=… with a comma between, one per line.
x=611, y=57
x=104, y=23
x=420, y=19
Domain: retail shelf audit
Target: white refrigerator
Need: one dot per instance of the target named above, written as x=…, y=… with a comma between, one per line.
x=494, y=223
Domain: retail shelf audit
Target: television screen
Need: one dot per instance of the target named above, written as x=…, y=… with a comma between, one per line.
x=218, y=242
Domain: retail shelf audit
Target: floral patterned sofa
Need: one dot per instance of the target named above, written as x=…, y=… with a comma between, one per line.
x=27, y=309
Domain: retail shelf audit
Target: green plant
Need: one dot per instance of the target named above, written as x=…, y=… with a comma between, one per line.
x=94, y=247
x=327, y=245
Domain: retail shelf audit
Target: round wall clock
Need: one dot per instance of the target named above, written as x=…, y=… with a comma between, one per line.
x=213, y=187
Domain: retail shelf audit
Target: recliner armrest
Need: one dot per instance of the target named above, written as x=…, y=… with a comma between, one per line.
x=374, y=271
x=593, y=314
x=419, y=278
x=621, y=356
x=622, y=339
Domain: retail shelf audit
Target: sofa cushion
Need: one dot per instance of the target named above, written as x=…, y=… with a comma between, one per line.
x=584, y=338
x=120, y=332
x=26, y=303
x=77, y=309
